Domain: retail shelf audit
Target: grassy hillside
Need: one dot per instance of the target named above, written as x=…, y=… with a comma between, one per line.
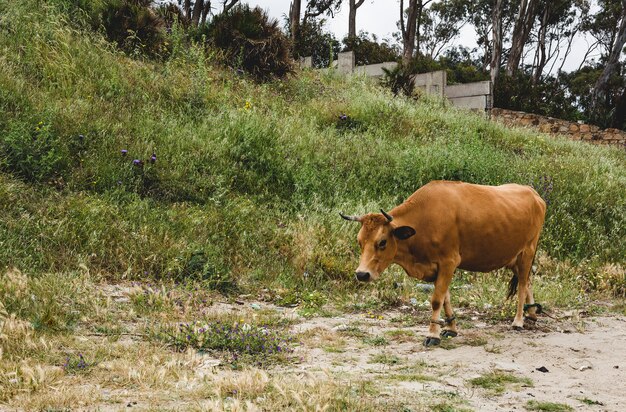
x=157, y=216
x=248, y=177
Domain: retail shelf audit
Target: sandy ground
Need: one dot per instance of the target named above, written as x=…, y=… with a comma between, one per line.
x=585, y=358
x=582, y=358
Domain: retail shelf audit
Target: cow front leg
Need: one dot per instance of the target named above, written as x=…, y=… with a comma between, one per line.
x=444, y=276
x=449, y=330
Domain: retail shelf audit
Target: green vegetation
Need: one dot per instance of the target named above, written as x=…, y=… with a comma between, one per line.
x=497, y=382
x=247, y=178
x=548, y=406
x=240, y=342
x=385, y=359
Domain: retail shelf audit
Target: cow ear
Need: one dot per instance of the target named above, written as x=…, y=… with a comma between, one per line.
x=403, y=232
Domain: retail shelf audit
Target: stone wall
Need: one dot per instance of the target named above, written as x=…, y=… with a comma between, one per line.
x=550, y=125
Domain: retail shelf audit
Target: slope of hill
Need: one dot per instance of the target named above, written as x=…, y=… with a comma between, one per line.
x=160, y=221
x=181, y=168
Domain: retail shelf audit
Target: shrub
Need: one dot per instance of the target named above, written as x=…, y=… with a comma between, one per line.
x=399, y=80
x=134, y=26
x=252, y=42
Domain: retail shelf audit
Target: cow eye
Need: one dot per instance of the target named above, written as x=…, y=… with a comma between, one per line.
x=382, y=244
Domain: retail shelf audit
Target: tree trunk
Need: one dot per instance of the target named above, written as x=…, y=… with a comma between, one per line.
x=420, y=9
x=354, y=5
x=521, y=30
x=600, y=90
x=205, y=12
x=197, y=11
x=618, y=119
x=408, y=30
x=187, y=9
x=541, y=47
x=294, y=18
x=496, y=54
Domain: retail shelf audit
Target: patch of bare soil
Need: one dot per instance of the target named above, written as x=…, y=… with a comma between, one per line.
x=580, y=362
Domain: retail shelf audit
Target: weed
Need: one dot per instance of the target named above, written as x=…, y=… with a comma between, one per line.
x=547, y=406
x=447, y=407
x=376, y=341
x=588, y=401
x=385, y=359
x=497, y=382
x=76, y=364
x=240, y=342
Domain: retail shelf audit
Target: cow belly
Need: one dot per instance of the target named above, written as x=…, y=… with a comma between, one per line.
x=488, y=250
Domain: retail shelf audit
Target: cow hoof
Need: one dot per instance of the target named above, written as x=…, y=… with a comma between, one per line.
x=432, y=341
x=518, y=328
x=448, y=334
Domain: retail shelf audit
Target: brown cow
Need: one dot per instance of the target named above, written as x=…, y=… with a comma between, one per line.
x=448, y=225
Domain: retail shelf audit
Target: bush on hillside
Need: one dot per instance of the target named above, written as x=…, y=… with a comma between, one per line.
x=252, y=42
x=399, y=79
x=134, y=26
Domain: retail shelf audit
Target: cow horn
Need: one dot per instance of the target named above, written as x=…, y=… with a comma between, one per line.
x=352, y=218
x=387, y=215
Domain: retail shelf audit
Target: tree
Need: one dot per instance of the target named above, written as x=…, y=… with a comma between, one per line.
x=196, y=12
x=496, y=54
x=294, y=18
x=314, y=9
x=556, y=20
x=441, y=24
x=612, y=67
x=354, y=5
x=314, y=41
x=523, y=24
x=370, y=51
x=410, y=28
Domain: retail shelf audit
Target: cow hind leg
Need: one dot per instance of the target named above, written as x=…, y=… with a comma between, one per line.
x=532, y=310
x=522, y=270
x=449, y=330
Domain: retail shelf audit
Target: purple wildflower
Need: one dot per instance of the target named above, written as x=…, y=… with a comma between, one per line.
x=124, y=152
x=138, y=162
x=343, y=116
x=153, y=158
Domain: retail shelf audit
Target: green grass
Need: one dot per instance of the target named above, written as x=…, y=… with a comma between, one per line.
x=385, y=359
x=498, y=382
x=244, y=197
x=548, y=406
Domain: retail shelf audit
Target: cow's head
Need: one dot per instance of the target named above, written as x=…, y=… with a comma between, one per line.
x=378, y=239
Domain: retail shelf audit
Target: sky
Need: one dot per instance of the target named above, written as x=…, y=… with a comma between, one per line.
x=380, y=17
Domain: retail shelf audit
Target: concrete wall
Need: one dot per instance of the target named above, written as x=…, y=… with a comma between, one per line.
x=375, y=70
x=572, y=130
x=477, y=95
x=470, y=96
x=432, y=83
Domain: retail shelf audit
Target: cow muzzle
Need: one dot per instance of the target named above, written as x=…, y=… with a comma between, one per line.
x=363, y=276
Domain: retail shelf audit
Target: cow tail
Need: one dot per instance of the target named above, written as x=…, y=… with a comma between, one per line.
x=512, y=286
